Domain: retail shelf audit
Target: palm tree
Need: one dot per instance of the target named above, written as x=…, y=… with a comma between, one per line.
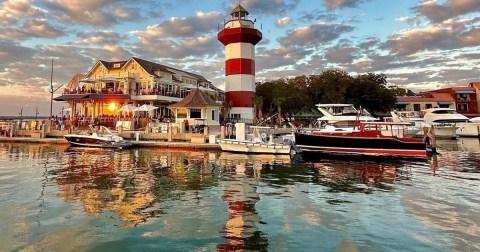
x=257, y=108
x=278, y=102
x=225, y=110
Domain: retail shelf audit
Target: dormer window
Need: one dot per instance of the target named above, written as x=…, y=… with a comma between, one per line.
x=116, y=65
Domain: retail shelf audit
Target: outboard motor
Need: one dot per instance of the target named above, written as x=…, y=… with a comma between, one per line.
x=294, y=147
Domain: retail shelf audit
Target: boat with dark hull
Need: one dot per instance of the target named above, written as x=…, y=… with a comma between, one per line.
x=102, y=138
x=382, y=139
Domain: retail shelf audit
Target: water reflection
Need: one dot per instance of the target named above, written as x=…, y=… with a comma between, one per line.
x=130, y=182
x=222, y=201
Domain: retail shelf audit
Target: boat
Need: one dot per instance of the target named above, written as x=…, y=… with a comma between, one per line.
x=342, y=115
x=469, y=129
x=412, y=117
x=444, y=120
x=259, y=142
x=101, y=138
x=381, y=139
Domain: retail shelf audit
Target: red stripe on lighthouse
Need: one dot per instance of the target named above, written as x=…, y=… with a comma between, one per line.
x=240, y=98
x=239, y=34
x=239, y=66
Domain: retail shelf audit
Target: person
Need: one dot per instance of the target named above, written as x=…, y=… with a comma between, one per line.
x=186, y=125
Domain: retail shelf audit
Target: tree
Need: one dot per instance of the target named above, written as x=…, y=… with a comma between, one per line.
x=257, y=108
x=278, y=102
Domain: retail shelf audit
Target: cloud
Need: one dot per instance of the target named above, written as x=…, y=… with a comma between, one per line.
x=339, y=4
x=101, y=13
x=12, y=52
x=33, y=28
x=315, y=34
x=273, y=7
x=99, y=38
x=284, y=21
x=177, y=49
x=266, y=59
x=199, y=24
x=438, y=13
x=340, y=54
x=22, y=8
x=448, y=35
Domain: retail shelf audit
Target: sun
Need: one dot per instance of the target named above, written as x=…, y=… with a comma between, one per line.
x=112, y=106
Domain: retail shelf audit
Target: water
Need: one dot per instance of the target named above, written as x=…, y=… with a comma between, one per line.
x=55, y=198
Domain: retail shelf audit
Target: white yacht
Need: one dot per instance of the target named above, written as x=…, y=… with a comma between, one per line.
x=444, y=120
x=343, y=115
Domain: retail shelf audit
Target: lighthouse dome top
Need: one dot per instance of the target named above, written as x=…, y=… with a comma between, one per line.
x=239, y=12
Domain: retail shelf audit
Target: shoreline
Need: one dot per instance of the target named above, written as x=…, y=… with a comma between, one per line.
x=135, y=144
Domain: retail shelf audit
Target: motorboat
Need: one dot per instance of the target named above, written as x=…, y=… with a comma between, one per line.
x=381, y=139
x=343, y=115
x=100, y=138
x=260, y=142
x=470, y=128
x=412, y=117
x=444, y=120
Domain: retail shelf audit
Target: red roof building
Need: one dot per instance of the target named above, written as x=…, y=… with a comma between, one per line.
x=463, y=99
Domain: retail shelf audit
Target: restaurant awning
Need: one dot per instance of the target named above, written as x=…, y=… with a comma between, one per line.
x=69, y=97
x=109, y=96
x=403, y=103
x=444, y=103
x=465, y=92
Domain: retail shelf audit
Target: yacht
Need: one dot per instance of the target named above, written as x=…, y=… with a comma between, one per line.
x=100, y=138
x=444, y=120
x=413, y=118
x=343, y=115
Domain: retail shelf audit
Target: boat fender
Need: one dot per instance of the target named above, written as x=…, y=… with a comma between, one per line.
x=263, y=136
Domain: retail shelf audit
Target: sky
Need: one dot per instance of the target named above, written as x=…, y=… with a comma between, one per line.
x=419, y=44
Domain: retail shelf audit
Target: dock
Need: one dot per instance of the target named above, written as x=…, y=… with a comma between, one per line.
x=135, y=144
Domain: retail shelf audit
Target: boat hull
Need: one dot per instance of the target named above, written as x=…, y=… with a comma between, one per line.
x=343, y=144
x=97, y=142
x=239, y=146
x=468, y=129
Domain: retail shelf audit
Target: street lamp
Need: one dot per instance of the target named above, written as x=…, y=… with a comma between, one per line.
x=52, y=90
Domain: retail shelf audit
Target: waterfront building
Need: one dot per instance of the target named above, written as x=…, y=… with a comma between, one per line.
x=463, y=99
x=198, y=108
x=109, y=85
x=239, y=36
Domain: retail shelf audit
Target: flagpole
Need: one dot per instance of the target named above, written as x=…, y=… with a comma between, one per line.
x=51, y=91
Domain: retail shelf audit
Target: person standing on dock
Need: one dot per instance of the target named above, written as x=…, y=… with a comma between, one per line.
x=187, y=129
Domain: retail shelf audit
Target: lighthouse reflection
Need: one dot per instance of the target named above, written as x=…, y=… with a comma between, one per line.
x=241, y=175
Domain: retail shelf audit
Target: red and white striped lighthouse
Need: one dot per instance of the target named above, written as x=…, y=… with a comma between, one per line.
x=239, y=37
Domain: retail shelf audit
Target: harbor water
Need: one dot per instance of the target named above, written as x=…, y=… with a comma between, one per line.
x=59, y=198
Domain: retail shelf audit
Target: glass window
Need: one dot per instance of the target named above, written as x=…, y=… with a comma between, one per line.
x=195, y=113
x=182, y=113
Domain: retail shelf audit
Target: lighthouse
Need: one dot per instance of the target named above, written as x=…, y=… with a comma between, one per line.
x=239, y=37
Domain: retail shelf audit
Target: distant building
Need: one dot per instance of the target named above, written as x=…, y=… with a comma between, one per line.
x=134, y=81
x=463, y=99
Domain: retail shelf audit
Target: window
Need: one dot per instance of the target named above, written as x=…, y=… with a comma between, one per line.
x=463, y=97
x=195, y=113
x=428, y=105
x=213, y=114
x=182, y=113
x=416, y=107
x=462, y=107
